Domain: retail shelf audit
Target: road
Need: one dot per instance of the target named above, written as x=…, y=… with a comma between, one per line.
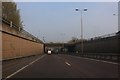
x=59, y=66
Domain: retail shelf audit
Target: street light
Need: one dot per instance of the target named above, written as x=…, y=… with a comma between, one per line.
x=85, y=9
x=118, y=21
x=63, y=34
x=44, y=39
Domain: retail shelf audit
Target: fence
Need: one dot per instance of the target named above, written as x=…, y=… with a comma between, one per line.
x=103, y=36
x=27, y=34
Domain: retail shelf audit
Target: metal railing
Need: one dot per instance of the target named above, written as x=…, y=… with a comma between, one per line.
x=27, y=34
x=102, y=37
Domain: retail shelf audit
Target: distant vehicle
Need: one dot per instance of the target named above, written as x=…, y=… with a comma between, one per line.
x=56, y=50
x=118, y=33
x=49, y=51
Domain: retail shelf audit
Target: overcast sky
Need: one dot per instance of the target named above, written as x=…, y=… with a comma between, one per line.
x=59, y=22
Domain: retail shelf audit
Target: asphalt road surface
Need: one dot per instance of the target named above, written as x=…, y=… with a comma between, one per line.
x=59, y=66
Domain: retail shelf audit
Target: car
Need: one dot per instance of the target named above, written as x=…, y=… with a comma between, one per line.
x=55, y=51
x=49, y=51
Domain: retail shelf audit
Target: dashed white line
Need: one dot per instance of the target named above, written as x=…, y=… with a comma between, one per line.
x=67, y=63
x=23, y=67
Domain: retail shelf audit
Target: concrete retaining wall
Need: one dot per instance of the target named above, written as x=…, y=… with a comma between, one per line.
x=16, y=44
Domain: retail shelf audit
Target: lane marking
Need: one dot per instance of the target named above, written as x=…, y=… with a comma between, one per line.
x=67, y=63
x=109, y=62
x=96, y=60
x=24, y=67
x=101, y=61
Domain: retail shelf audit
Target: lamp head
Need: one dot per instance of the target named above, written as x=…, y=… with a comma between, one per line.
x=76, y=9
x=85, y=9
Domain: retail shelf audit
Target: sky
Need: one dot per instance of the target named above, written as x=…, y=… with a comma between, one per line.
x=59, y=22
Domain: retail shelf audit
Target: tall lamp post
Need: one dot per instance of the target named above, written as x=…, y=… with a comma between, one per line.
x=63, y=34
x=81, y=27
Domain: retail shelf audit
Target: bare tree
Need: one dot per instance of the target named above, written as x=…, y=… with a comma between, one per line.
x=11, y=13
x=73, y=40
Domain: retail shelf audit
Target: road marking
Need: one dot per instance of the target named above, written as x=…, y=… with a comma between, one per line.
x=110, y=62
x=101, y=61
x=95, y=60
x=23, y=67
x=91, y=59
x=67, y=63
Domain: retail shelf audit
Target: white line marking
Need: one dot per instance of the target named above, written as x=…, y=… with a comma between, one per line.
x=101, y=61
x=109, y=62
x=95, y=60
x=67, y=63
x=23, y=67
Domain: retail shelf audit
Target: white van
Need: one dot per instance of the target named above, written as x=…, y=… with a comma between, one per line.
x=49, y=51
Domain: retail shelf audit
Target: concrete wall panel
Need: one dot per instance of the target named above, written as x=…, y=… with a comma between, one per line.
x=108, y=45
x=16, y=44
